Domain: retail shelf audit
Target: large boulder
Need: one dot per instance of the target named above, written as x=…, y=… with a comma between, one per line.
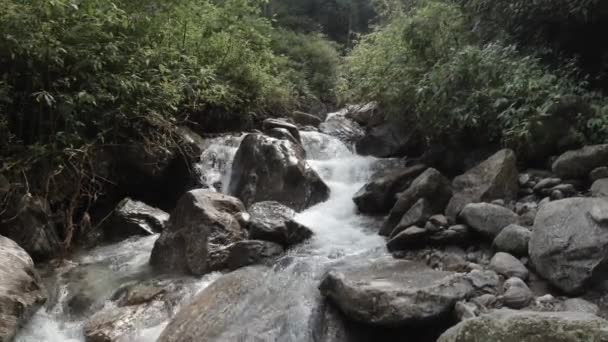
x=528, y=326
x=599, y=188
x=28, y=221
x=305, y=119
x=250, y=252
x=488, y=219
x=342, y=128
x=272, y=124
x=391, y=293
x=579, y=163
x=380, y=195
x=21, y=292
x=569, y=243
x=273, y=221
x=494, y=178
x=268, y=169
x=202, y=223
x=432, y=185
x=257, y=304
x=513, y=239
x=134, y=218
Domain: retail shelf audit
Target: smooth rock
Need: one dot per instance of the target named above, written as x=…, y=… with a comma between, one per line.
x=380, y=195
x=488, y=219
x=203, y=222
x=273, y=221
x=250, y=252
x=599, y=188
x=432, y=185
x=417, y=215
x=494, y=178
x=529, y=326
x=579, y=163
x=508, y=265
x=598, y=173
x=134, y=218
x=270, y=124
x=513, y=239
x=268, y=169
x=342, y=128
x=546, y=183
x=581, y=305
x=390, y=292
x=412, y=237
x=386, y=140
x=517, y=294
x=21, y=292
x=569, y=243
x=305, y=119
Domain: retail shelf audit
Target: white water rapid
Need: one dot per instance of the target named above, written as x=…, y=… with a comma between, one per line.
x=282, y=308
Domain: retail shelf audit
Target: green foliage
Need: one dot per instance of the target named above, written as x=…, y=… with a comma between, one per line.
x=429, y=73
x=313, y=65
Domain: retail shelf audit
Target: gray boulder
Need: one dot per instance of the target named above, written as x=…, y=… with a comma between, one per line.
x=342, y=128
x=418, y=214
x=21, y=292
x=270, y=124
x=134, y=218
x=269, y=169
x=390, y=292
x=28, y=222
x=380, y=195
x=529, y=326
x=517, y=294
x=599, y=188
x=432, y=185
x=488, y=219
x=569, y=243
x=305, y=119
x=508, y=265
x=513, y=239
x=580, y=305
x=273, y=221
x=598, y=173
x=386, y=140
x=579, y=163
x=250, y=252
x=202, y=223
x=494, y=178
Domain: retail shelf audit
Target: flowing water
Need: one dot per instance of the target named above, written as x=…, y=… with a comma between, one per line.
x=282, y=310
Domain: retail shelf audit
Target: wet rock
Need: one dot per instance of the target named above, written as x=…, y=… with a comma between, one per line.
x=528, y=326
x=380, y=195
x=488, y=219
x=418, y=214
x=342, y=128
x=203, y=222
x=432, y=185
x=599, y=188
x=270, y=124
x=134, y=218
x=569, y=242
x=386, y=140
x=598, y=173
x=578, y=164
x=508, y=265
x=412, y=237
x=117, y=324
x=250, y=252
x=517, y=294
x=21, y=292
x=390, y=292
x=305, y=119
x=28, y=221
x=581, y=305
x=494, y=178
x=268, y=169
x=273, y=221
x=513, y=239
x=367, y=115
x=282, y=133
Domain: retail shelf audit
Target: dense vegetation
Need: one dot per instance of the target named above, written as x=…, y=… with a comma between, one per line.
x=79, y=75
x=492, y=68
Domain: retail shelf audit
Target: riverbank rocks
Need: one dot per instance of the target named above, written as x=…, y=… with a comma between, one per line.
x=342, y=128
x=494, y=178
x=28, y=221
x=488, y=219
x=273, y=221
x=569, y=243
x=306, y=119
x=380, y=195
x=578, y=164
x=271, y=124
x=269, y=169
x=513, y=239
x=250, y=252
x=528, y=326
x=21, y=292
x=202, y=223
x=431, y=185
x=391, y=293
x=599, y=188
x=134, y=218
x=508, y=265
x=386, y=140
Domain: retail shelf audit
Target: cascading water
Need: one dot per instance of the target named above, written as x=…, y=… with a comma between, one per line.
x=283, y=308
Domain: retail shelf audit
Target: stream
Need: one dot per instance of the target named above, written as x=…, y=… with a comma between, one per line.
x=85, y=284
